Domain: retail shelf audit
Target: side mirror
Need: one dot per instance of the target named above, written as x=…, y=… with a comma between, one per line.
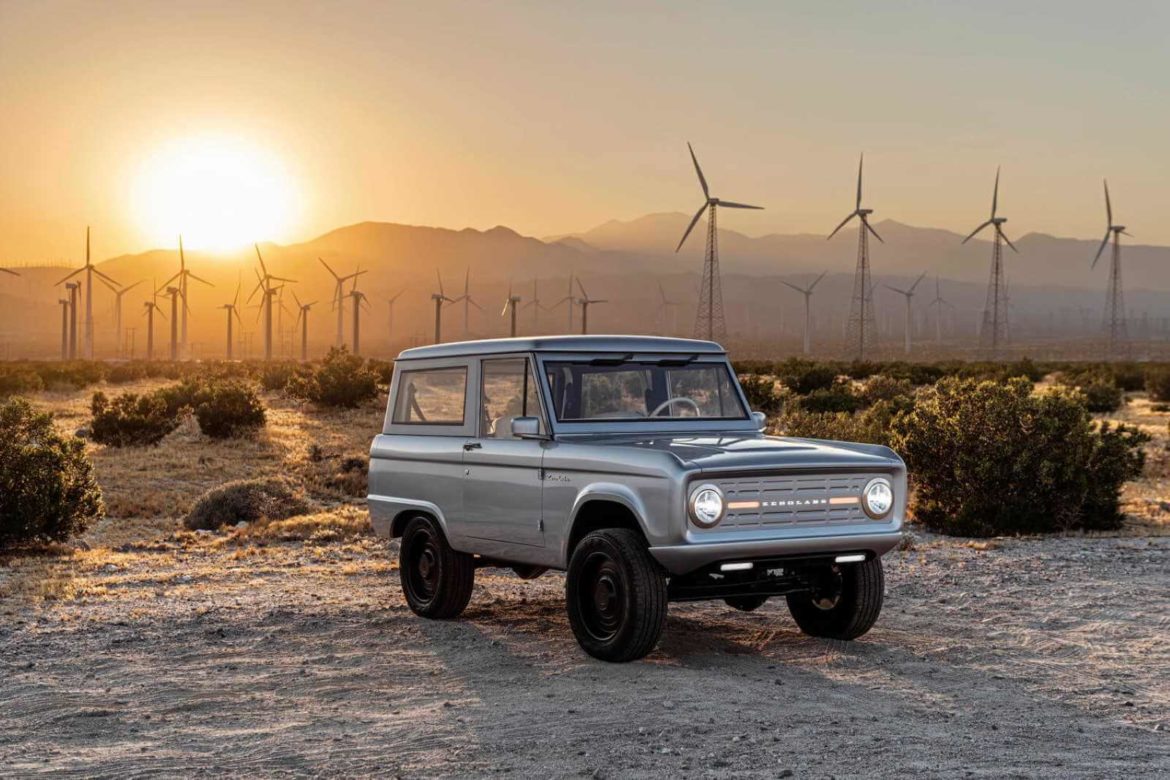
x=526, y=428
x=760, y=419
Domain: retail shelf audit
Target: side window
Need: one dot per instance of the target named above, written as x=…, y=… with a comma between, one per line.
x=433, y=396
x=509, y=391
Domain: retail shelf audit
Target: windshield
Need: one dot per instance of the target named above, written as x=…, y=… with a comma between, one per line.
x=620, y=389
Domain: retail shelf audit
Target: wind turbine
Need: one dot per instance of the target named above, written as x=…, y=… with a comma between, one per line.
x=390, y=320
x=89, y=270
x=585, y=302
x=339, y=296
x=303, y=321
x=1114, y=303
x=569, y=299
x=265, y=284
x=118, y=293
x=709, y=322
x=510, y=305
x=233, y=312
x=995, y=309
x=183, y=276
x=150, y=308
x=862, y=325
x=807, y=292
x=666, y=307
x=439, y=298
x=467, y=301
x=938, y=301
x=909, y=295
x=534, y=302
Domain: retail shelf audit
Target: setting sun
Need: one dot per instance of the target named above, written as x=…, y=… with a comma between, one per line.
x=219, y=192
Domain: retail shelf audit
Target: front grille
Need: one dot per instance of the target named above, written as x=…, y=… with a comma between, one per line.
x=793, y=500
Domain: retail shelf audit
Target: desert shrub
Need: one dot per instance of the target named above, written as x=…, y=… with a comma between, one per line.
x=871, y=426
x=126, y=372
x=341, y=380
x=1158, y=383
x=75, y=374
x=835, y=399
x=228, y=409
x=247, y=500
x=131, y=420
x=384, y=369
x=899, y=393
x=275, y=376
x=19, y=381
x=1130, y=377
x=1160, y=407
x=761, y=393
x=1102, y=396
x=181, y=396
x=992, y=458
x=47, y=487
x=805, y=376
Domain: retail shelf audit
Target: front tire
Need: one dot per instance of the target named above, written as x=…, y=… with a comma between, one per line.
x=436, y=579
x=615, y=593
x=844, y=603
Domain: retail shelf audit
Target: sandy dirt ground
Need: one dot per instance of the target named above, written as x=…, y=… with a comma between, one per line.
x=201, y=655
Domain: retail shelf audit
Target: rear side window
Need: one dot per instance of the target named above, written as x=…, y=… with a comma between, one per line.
x=432, y=396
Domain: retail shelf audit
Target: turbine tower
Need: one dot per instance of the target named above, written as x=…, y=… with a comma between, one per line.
x=709, y=321
x=183, y=276
x=467, y=302
x=74, y=289
x=303, y=321
x=571, y=300
x=269, y=292
x=175, y=294
x=390, y=320
x=586, y=302
x=89, y=270
x=118, y=293
x=339, y=296
x=359, y=300
x=64, y=328
x=909, y=295
x=536, y=305
x=807, y=292
x=666, y=310
x=995, y=310
x=510, y=305
x=861, y=330
x=938, y=301
x=439, y=298
x=1116, y=332
x=233, y=313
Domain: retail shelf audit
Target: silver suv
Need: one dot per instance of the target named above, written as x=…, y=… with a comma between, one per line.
x=635, y=465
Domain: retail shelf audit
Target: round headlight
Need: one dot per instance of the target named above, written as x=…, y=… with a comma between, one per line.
x=878, y=498
x=706, y=506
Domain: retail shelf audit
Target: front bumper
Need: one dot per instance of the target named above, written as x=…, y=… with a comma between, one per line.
x=686, y=558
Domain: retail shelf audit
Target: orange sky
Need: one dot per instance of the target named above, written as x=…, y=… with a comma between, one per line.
x=552, y=119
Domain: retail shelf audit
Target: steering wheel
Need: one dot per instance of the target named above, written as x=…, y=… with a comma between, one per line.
x=678, y=399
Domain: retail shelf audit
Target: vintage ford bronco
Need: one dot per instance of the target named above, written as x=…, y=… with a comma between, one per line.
x=635, y=465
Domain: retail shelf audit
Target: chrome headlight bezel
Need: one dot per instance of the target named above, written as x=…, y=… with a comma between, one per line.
x=700, y=497
x=872, y=498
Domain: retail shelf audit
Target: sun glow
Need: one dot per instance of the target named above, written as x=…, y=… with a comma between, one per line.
x=219, y=192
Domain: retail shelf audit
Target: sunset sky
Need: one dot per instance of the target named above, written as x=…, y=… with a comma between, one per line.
x=239, y=121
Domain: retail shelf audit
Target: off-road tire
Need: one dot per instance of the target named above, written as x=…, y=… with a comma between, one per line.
x=615, y=594
x=858, y=602
x=436, y=580
x=746, y=603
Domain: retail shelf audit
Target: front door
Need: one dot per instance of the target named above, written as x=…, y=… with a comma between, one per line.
x=503, y=483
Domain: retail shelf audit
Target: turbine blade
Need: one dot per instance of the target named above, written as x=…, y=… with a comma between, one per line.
x=800, y=290
x=1108, y=205
x=917, y=281
x=582, y=288
x=995, y=193
x=869, y=227
x=196, y=278
x=1100, y=249
x=975, y=231
x=843, y=223
x=1005, y=238
x=698, y=170
x=330, y=270
x=817, y=281
x=108, y=283
x=9, y=271
x=298, y=300
x=732, y=205
x=261, y=259
x=70, y=276
x=690, y=227
x=860, y=164
x=896, y=289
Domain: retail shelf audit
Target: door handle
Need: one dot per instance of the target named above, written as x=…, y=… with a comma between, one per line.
x=472, y=445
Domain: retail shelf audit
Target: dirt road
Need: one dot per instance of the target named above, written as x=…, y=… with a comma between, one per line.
x=203, y=658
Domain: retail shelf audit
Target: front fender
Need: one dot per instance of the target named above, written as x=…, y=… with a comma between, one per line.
x=607, y=491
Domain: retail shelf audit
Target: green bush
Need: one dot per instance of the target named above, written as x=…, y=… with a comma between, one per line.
x=991, y=458
x=761, y=393
x=805, y=376
x=126, y=372
x=870, y=426
x=838, y=398
x=181, y=396
x=131, y=420
x=1158, y=383
x=1102, y=396
x=228, y=409
x=341, y=380
x=275, y=377
x=19, y=381
x=47, y=488
x=384, y=369
x=247, y=500
x=899, y=393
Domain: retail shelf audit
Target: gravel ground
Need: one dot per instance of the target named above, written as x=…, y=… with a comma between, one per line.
x=206, y=657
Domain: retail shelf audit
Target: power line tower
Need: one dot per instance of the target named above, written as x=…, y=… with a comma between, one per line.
x=994, y=331
x=861, y=328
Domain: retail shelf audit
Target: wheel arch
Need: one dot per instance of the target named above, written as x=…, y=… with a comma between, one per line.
x=600, y=507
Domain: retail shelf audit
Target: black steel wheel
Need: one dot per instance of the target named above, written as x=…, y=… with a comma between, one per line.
x=844, y=602
x=615, y=593
x=436, y=580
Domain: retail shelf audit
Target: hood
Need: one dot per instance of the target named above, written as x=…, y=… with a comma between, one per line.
x=755, y=451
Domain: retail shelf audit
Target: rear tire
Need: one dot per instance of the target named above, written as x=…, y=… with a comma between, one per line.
x=615, y=594
x=845, y=602
x=436, y=579
x=746, y=603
